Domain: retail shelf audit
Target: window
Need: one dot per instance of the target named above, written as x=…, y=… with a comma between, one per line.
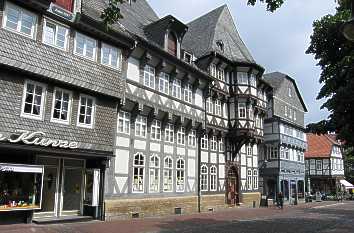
x=221, y=74
x=138, y=173
x=176, y=88
x=242, y=78
x=188, y=94
x=169, y=133
x=33, y=100
x=167, y=175
x=204, y=178
x=188, y=57
x=221, y=144
x=253, y=81
x=85, y=46
x=209, y=105
x=61, y=106
x=258, y=121
x=149, y=76
x=241, y=110
x=86, y=111
x=218, y=108
x=249, y=150
x=55, y=35
x=124, y=122
x=255, y=179
x=287, y=153
x=213, y=70
x=156, y=130
x=140, y=126
x=213, y=179
x=181, y=136
x=110, y=56
x=319, y=165
x=213, y=143
x=180, y=175
x=273, y=152
x=204, y=142
x=172, y=44
x=19, y=20
x=249, y=179
x=164, y=83
x=154, y=174
x=289, y=92
x=191, y=138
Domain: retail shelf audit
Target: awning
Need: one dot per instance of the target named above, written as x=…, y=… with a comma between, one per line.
x=346, y=184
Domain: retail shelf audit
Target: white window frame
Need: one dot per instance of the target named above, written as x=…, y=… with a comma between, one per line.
x=218, y=108
x=213, y=178
x=52, y=119
x=169, y=133
x=221, y=74
x=22, y=11
x=119, y=56
x=123, y=122
x=204, y=142
x=192, y=138
x=253, y=80
x=185, y=54
x=90, y=126
x=164, y=83
x=180, y=175
x=213, y=143
x=156, y=130
x=168, y=174
x=43, y=101
x=242, y=110
x=149, y=76
x=204, y=178
x=213, y=70
x=86, y=38
x=188, y=93
x=221, y=145
x=181, y=136
x=209, y=105
x=154, y=174
x=242, y=78
x=57, y=25
x=140, y=126
x=140, y=175
x=176, y=88
x=249, y=150
x=249, y=179
x=255, y=179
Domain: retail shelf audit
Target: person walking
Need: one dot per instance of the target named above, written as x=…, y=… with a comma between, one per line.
x=280, y=200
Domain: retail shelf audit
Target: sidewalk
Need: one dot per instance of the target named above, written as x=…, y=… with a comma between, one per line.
x=163, y=224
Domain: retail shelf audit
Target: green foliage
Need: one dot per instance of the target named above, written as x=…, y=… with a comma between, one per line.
x=111, y=14
x=335, y=56
x=272, y=5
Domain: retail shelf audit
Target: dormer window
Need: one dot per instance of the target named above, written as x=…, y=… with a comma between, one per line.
x=187, y=57
x=65, y=4
x=172, y=44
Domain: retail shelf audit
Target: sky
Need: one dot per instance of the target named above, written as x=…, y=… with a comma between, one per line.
x=277, y=41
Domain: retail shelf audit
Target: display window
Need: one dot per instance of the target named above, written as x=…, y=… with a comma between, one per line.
x=20, y=187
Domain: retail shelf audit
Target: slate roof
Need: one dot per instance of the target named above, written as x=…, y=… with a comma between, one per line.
x=319, y=146
x=275, y=80
x=217, y=25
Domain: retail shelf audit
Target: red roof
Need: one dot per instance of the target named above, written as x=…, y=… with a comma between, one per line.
x=319, y=146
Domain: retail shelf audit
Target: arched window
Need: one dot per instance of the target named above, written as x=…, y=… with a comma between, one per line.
x=154, y=174
x=204, y=178
x=138, y=170
x=167, y=175
x=180, y=175
x=172, y=44
x=213, y=180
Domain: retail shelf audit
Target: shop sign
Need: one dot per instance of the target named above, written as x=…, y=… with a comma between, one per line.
x=37, y=138
x=4, y=167
x=61, y=12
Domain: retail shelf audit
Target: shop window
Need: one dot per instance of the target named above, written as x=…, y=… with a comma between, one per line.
x=149, y=76
x=154, y=174
x=85, y=46
x=164, y=83
x=242, y=110
x=192, y=138
x=156, y=130
x=176, y=88
x=204, y=142
x=124, y=122
x=169, y=133
x=188, y=94
x=65, y=4
x=138, y=173
x=181, y=136
x=180, y=175
x=172, y=44
x=33, y=100
x=86, y=111
x=213, y=179
x=110, y=56
x=19, y=20
x=61, y=111
x=204, y=178
x=167, y=175
x=140, y=126
x=55, y=35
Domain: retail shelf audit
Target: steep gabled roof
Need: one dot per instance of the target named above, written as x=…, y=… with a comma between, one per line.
x=319, y=146
x=217, y=25
x=275, y=79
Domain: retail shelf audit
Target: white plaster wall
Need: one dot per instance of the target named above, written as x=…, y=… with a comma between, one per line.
x=168, y=149
x=191, y=167
x=122, y=141
x=133, y=69
x=249, y=162
x=243, y=173
x=155, y=147
x=122, y=188
x=121, y=163
x=199, y=98
x=204, y=157
x=221, y=158
x=255, y=161
x=213, y=158
x=222, y=171
x=139, y=144
x=191, y=153
x=181, y=151
x=243, y=159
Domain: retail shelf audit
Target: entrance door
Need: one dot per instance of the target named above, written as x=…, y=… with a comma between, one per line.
x=232, y=187
x=50, y=190
x=72, y=191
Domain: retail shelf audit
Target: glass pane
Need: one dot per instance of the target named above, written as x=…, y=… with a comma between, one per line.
x=61, y=33
x=29, y=98
x=56, y=113
x=26, y=24
x=82, y=118
x=36, y=110
x=49, y=33
x=28, y=108
x=49, y=188
x=66, y=97
x=12, y=18
x=39, y=90
x=72, y=193
x=88, y=120
x=80, y=43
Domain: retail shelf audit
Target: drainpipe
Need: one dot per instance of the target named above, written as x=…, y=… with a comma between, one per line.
x=198, y=173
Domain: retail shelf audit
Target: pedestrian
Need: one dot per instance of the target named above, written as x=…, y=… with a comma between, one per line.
x=280, y=200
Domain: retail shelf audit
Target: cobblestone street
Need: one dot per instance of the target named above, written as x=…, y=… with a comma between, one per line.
x=315, y=217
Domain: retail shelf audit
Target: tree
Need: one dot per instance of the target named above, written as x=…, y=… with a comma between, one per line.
x=335, y=56
x=272, y=5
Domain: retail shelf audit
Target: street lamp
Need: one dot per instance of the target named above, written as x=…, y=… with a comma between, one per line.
x=348, y=27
